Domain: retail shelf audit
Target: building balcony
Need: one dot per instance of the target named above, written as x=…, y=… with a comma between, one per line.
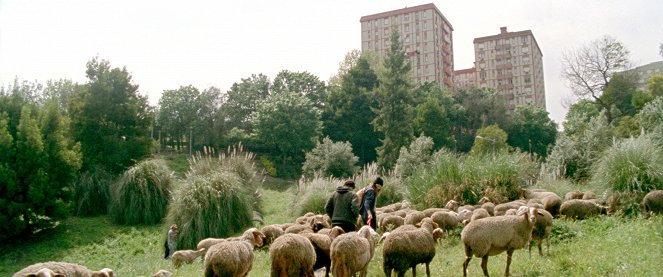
x=446, y=49
x=446, y=60
x=504, y=66
x=447, y=70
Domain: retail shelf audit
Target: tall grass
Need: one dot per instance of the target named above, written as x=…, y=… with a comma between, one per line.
x=468, y=178
x=141, y=194
x=91, y=192
x=218, y=196
x=313, y=194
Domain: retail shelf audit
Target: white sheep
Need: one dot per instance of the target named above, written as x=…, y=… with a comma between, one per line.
x=550, y=200
x=104, y=272
x=162, y=273
x=541, y=231
x=209, y=242
x=186, y=256
x=351, y=252
x=45, y=272
x=233, y=257
x=581, y=209
x=493, y=235
x=292, y=255
x=407, y=246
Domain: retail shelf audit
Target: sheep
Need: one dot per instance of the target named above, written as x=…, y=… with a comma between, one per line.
x=446, y=220
x=452, y=205
x=186, y=256
x=576, y=194
x=298, y=229
x=271, y=232
x=588, y=195
x=500, y=209
x=430, y=211
x=55, y=269
x=162, y=273
x=233, y=257
x=489, y=207
x=322, y=245
x=247, y=235
x=45, y=272
x=581, y=209
x=351, y=252
x=551, y=201
x=405, y=247
x=104, y=272
x=390, y=220
x=477, y=214
x=541, y=231
x=653, y=201
x=292, y=255
x=414, y=217
x=493, y=235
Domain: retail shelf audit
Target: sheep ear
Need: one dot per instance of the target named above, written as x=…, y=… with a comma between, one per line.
x=522, y=210
x=31, y=275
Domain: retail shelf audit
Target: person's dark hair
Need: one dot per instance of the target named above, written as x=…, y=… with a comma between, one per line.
x=378, y=181
x=349, y=183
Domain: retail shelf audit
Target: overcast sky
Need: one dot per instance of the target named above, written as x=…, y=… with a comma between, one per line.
x=168, y=44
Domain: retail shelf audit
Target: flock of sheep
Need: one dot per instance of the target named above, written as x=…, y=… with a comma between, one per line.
x=408, y=238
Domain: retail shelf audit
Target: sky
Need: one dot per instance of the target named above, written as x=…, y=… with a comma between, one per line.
x=167, y=44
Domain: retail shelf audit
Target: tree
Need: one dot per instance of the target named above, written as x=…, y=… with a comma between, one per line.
x=578, y=116
x=434, y=116
x=331, y=159
x=302, y=83
x=347, y=114
x=489, y=140
x=588, y=69
x=395, y=104
x=288, y=122
x=481, y=107
x=349, y=61
x=113, y=122
x=178, y=113
x=532, y=131
x=242, y=100
x=619, y=93
x=655, y=85
x=208, y=126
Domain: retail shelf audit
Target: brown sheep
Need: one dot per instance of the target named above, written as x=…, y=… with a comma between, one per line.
x=186, y=256
x=581, y=209
x=576, y=194
x=62, y=268
x=351, y=252
x=322, y=245
x=390, y=220
x=551, y=201
x=233, y=257
x=541, y=231
x=493, y=235
x=414, y=217
x=407, y=246
x=292, y=255
x=446, y=220
x=653, y=201
x=271, y=232
x=500, y=209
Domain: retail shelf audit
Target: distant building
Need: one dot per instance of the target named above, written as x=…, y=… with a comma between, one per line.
x=512, y=63
x=645, y=71
x=465, y=78
x=426, y=36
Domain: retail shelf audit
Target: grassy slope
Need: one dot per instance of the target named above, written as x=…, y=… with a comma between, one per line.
x=605, y=246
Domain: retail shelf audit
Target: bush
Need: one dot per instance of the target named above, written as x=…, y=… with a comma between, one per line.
x=416, y=155
x=333, y=159
x=268, y=165
x=141, y=194
x=91, y=192
x=312, y=195
x=632, y=165
x=468, y=178
x=218, y=196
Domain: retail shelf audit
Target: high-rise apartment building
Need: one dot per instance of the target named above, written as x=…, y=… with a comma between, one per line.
x=512, y=63
x=426, y=36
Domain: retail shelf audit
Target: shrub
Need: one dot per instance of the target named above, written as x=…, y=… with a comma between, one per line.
x=416, y=155
x=141, y=194
x=312, y=195
x=632, y=165
x=91, y=192
x=210, y=205
x=468, y=178
x=268, y=165
x=393, y=190
x=217, y=197
x=333, y=159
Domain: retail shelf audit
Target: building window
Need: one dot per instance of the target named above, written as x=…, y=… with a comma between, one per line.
x=528, y=79
x=407, y=17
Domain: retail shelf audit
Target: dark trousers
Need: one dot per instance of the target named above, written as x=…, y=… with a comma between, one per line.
x=346, y=226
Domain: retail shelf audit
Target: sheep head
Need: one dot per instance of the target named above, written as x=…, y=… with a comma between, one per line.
x=335, y=232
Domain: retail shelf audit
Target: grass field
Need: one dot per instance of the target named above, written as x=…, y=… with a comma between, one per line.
x=604, y=246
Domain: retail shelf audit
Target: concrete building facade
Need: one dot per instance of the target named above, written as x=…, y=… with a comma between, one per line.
x=512, y=63
x=426, y=36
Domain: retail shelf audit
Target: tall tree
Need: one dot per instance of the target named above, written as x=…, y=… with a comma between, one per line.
x=435, y=114
x=290, y=123
x=302, y=83
x=242, y=100
x=588, y=69
x=395, y=104
x=113, y=122
x=347, y=115
x=619, y=94
x=178, y=112
x=207, y=124
x=481, y=107
x=532, y=131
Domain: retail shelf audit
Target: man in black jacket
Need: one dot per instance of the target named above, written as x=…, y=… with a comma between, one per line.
x=343, y=207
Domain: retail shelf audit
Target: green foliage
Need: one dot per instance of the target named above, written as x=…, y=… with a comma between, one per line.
x=111, y=119
x=489, y=140
x=631, y=165
x=178, y=114
x=330, y=159
x=268, y=165
x=532, y=131
x=243, y=99
x=395, y=104
x=141, y=194
x=91, y=192
x=468, y=178
x=620, y=91
x=303, y=83
x=347, y=114
x=478, y=108
x=418, y=154
x=217, y=197
x=434, y=116
x=655, y=85
x=288, y=122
